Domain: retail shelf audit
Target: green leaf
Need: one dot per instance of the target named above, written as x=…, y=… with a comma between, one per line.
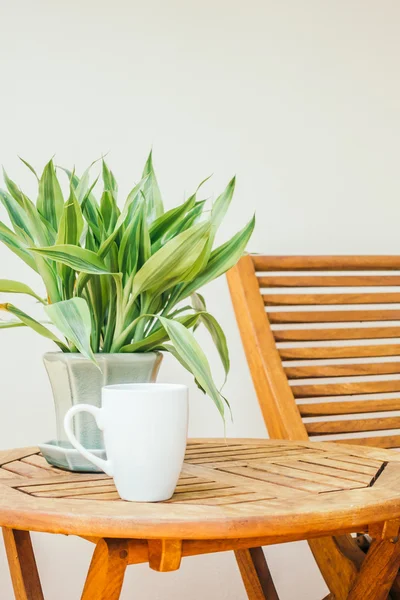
x=12, y=241
x=72, y=318
x=192, y=217
x=155, y=339
x=170, y=264
x=29, y=167
x=32, y=323
x=15, y=287
x=214, y=328
x=218, y=212
x=221, y=260
x=90, y=208
x=133, y=196
x=219, y=339
x=109, y=211
x=11, y=324
x=90, y=241
x=160, y=226
x=145, y=241
x=72, y=176
x=194, y=358
x=50, y=202
x=39, y=232
x=108, y=204
x=172, y=350
x=98, y=308
x=200, y=261
x=82, y=186
x=199, y=304
x=75, y=257
x=109, y=287
x=51, y=233
x=155, y=207
x=91, y=211
x=83, y=191
x=110, y=184
x=42, y=237
x=71, y=222
x=129, y=248
x=16, y=214
x=169, y=224
x=69, y=232
x=222, y=204
x=12, y=188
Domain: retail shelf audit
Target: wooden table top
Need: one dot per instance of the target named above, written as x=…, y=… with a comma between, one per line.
x=227, y=489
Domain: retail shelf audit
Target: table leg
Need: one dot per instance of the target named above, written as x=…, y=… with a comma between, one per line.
x=256, y=575
x=107, y=570
x=22, y=564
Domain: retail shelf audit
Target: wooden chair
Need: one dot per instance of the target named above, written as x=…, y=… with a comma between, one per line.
x=322, y=353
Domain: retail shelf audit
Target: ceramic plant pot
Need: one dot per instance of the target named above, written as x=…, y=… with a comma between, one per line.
x=75, y=380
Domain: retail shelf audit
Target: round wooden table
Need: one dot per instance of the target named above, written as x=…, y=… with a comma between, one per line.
x=232, y=495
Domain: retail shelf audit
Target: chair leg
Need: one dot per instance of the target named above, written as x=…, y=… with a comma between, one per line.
x=256, y=575
x=364, y=544
x=395, y=589
x=378, y=571
x=107, y=570
x=22, y=564
x=338, y=568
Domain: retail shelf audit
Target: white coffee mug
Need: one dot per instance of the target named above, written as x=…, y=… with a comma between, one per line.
x=145, y=433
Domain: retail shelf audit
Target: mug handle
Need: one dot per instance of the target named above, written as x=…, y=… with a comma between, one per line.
x=104, y=465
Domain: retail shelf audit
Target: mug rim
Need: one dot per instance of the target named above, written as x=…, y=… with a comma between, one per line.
x=145, y=387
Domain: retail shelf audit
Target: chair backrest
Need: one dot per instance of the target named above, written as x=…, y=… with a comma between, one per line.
x=322, y=339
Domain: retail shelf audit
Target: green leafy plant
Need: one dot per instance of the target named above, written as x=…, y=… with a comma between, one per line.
x=121, y=280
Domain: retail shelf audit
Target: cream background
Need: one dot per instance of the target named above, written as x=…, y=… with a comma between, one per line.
x=298, y=97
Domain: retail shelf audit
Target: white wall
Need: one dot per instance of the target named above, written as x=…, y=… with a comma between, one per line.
x=299, y=97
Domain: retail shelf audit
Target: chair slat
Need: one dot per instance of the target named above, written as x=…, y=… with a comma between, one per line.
x=325, y=263
x=348, y=408
x=329, y=299
x=344, y=370
x=378, y=441
x=313, y=352
x=290, y=281
x=353, y=426
x=333, y=316
x=345, y=389
x=342, y=333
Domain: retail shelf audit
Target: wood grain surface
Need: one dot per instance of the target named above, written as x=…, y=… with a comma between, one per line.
x=227, y=489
